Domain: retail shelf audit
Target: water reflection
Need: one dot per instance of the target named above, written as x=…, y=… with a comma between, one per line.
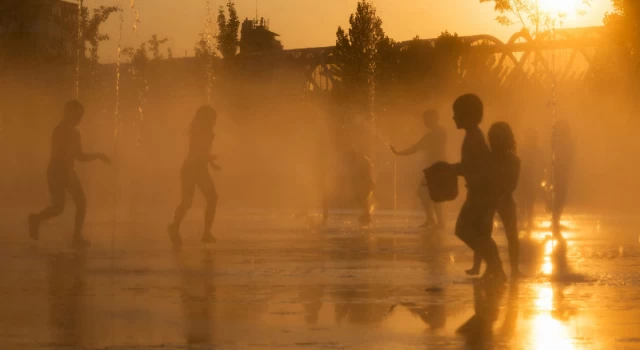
x=510, y=323
x=67, y=283
x=198, y=298
x=549, y=329
x=478, y=330
x=311, y=297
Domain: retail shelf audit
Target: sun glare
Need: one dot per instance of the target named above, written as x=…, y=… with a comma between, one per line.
x=560, y=7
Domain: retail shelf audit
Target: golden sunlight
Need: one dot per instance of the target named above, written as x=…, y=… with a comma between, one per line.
x=561, y=7
x=548, y=332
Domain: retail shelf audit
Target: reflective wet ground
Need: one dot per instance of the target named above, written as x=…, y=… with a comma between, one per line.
x=271, y=283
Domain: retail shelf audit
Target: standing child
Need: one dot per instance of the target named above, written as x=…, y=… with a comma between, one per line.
x=362, y=183
x=195, y=172
x=433, y=144
x=506, y=171
x=530, y=179
x=475, y=222
x=563, y=154
x=66, y=149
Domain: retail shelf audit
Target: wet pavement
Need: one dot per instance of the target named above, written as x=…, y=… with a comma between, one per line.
x=272, y=283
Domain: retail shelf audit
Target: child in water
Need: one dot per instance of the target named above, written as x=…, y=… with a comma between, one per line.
x=506, y=170
x=563, y=154
x=530, y=179
x=66, y=149
x=195, y=172
x=362, y=182
x=475, y=222
x=433, y=144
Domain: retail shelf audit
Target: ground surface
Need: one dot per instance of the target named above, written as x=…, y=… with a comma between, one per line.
x=271, y=283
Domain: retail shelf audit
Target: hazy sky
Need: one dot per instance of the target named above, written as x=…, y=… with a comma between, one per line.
x=311, y=23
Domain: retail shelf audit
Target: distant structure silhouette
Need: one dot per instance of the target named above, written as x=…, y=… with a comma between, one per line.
x=255, y=37
x=66, y=149
x=433, y=144
x=195, y=173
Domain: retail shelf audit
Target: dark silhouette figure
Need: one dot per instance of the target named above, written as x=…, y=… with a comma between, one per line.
x=433, y=144
x=506, y=171
x=66, y=149
x=195, y=173
x=475, y=222
x=530, y=178
x=478, y=330
x=362, y=183
x=563, y=162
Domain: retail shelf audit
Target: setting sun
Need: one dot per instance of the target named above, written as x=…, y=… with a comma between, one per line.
x=561, y=7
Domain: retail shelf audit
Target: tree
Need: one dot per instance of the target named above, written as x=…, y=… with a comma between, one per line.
x=204, y=50
x=17, y=39
x=91, y=30
x=155, y=44
x=227, y=38
x=364, y=55
x=533, y=17
x=624, y=25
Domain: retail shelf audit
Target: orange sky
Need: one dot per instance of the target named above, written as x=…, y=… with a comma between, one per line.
x=310, y=23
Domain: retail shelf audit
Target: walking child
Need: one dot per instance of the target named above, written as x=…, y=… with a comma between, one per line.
x=475, y=221
x=433, y=144
x=195, y=173
x=506, y=171
x=66, y=149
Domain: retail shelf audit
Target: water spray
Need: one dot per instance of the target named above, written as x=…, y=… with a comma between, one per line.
x=136, y=20
x=208, y=37
x=116, y=121
x=80, y=4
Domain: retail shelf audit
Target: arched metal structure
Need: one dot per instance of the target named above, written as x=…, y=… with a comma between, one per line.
x=519, y=56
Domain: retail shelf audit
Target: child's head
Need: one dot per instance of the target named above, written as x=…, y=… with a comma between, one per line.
x=430, y=118
x=467, y=111
x=205, y=119
x=501, y=139
x=73, y=112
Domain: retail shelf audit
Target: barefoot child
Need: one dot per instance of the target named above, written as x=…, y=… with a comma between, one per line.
x=433, y=144
x=362, y=183
x=195, y=172
x=474, y=224
x=506, y=171
x=66, y=149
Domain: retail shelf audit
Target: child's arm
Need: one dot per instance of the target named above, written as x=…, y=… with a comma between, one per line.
x=213, y=164
x=80, y=156
x=411, y=150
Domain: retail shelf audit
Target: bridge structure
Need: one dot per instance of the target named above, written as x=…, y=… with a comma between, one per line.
x=564, y=54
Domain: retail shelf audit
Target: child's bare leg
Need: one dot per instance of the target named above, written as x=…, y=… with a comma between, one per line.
x=477, y=263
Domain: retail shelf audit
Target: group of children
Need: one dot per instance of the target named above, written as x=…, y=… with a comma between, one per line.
x=66, y=149
x=491, y=173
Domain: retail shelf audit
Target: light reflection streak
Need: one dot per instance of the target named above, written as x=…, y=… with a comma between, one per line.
x=546, y=331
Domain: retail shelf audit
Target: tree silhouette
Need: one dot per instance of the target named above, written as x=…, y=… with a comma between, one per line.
x=155, y=44
x=17, y=40
x=624, y=25
x=91, y=29
x=364, y=55
x=227, y=38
